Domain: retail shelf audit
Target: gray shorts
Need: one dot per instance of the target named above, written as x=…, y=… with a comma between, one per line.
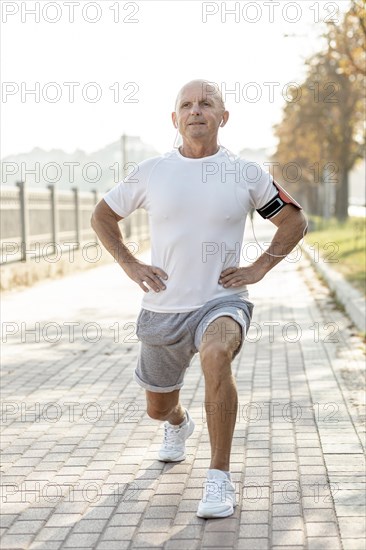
x=168, y=341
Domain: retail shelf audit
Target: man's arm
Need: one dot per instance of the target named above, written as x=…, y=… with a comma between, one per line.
x=292, y=226
x=104, y=221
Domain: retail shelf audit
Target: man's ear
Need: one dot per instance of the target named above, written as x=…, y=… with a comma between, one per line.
x=174, y=119
x=225, y=118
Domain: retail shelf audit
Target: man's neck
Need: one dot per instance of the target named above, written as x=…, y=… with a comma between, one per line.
x=198, y=151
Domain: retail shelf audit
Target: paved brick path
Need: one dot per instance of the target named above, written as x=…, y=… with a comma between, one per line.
x=78, y=464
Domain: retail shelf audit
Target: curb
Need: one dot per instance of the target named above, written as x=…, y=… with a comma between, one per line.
x=351, y=299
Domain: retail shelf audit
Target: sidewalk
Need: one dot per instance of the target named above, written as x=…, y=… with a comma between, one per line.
x=79, y=466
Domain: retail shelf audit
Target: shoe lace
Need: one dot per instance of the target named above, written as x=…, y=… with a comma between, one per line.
x=170, y=436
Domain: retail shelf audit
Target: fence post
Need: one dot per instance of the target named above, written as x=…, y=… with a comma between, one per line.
x=77, y=216
x=54, y=216
x=96, y=198
x=126, y=223
x=96, y=195
x=24, y=220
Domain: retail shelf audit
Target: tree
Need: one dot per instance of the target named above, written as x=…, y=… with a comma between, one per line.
x=323, y=129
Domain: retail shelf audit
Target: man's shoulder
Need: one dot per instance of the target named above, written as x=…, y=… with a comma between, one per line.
x=151, y=162
x=235, y=158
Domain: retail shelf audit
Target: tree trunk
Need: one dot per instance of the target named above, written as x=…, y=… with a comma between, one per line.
x=341, y=205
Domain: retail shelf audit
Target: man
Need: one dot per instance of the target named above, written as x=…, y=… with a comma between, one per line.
x=195, y=298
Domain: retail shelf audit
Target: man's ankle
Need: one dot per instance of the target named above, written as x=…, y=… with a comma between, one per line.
x=181, y=422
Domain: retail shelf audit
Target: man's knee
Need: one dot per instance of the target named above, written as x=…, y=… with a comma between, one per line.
x=216, y=364
x=220, y=341
x=160, y=405
x=215, y=352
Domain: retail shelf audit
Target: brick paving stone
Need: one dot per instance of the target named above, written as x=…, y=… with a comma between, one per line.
x=250, y=544
x=286, y=509
x=53, y=533
x=16, y=541
x=321, y=529
x=283, y=523
x=25, y=527
x=323, y=515
x=63, y=520
x=315, y=502
x=119, y=533
x=46, y=545
x=254, y=530
x=187, y=531
x=113, y=545
x=257, y=516
x=323, y=543
x=285, y=497
x=312, y=460
x=149, y=540
x=7, y=519
x=224, y=524
x=187, y=506
x=283, y=457
x=81, y=540
x=349, y=510
x=353, y=543
x=90, y=526
x=352, y=527
x=128, y=507
x=183, y=544
x=293, y=537
x=260, y=453
x=161, y=512
x=284, y=475
x=154, y=525
x=255, y=506
x=169, y=489
x=218, y=539
x=187, y=518
x=313, y=480
x=257, y=480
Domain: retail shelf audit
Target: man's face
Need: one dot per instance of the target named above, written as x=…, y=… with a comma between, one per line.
x=199, y=112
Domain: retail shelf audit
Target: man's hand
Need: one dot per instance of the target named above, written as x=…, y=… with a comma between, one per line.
x=142, y=273
x=291, y=227
x=240, y=276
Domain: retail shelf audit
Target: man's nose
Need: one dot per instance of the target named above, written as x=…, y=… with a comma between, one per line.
x=196, y=109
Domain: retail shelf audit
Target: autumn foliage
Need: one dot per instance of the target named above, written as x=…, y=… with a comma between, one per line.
x=323, y=131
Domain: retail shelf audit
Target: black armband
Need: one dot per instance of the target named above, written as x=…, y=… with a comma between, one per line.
x=277, y=203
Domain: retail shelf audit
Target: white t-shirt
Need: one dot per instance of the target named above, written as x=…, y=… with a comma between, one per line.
x=197, y=210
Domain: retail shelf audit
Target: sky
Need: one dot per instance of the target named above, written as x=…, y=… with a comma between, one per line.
x=127, y=60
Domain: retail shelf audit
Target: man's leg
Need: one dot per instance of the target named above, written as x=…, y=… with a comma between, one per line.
x=165, y=406
x=219, y=342
x=177, y=428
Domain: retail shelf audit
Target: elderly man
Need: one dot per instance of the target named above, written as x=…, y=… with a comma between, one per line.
x=196, y=300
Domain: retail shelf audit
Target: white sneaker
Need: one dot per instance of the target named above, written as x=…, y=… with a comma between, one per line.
x=219, y=496
x=173, y=448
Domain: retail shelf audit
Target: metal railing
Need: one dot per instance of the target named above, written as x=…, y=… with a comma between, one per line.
x=38, y=223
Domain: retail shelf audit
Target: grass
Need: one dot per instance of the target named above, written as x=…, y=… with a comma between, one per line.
x=342, y=246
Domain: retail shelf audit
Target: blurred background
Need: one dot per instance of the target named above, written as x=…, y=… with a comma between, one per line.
x=89, y=87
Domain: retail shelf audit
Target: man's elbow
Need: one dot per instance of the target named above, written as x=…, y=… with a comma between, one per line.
x=92, y=219
x=301, y=225
x=96, y=214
